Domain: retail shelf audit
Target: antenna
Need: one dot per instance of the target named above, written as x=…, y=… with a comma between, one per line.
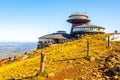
x=75, y=12
x=81, y=11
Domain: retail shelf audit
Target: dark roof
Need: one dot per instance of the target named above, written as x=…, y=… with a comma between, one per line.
x=56, y=36
x=78, y=20
x=94, y=26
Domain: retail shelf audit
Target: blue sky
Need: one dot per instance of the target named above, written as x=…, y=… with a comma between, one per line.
x=26, y=20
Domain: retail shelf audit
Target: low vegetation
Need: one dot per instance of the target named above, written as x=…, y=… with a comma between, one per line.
x=63, y=62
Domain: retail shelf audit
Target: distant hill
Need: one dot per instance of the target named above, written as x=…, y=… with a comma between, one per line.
x=15, y=48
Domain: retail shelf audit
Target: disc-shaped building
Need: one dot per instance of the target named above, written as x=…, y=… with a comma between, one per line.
x=81, y=26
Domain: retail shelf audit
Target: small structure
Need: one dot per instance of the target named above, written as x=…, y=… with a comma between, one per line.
x=59, y=37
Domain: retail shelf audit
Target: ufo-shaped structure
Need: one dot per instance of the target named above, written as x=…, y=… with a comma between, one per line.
x=81, y=26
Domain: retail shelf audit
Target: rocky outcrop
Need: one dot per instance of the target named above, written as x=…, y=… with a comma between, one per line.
x=111, y=66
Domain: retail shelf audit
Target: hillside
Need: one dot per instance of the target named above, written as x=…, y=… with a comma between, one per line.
x=66, y=61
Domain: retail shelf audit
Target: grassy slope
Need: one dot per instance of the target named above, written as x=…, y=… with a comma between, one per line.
x=57, y=58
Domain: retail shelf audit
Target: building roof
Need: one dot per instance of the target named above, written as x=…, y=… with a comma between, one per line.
x=56, y=36
x=89, y=25
x=78, y=15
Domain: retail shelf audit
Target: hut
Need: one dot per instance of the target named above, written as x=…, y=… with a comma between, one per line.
x=59, y=37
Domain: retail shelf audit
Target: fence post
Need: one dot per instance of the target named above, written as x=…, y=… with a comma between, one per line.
x=42, y=55
x=88, y=47
x=108, y=41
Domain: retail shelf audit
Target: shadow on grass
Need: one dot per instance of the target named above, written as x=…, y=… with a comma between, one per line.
x=42, y=74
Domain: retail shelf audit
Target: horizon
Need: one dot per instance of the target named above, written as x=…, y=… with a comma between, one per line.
x=27, y=20
x=18, y=42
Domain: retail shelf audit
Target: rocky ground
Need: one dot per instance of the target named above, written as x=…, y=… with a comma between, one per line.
x=105, y=67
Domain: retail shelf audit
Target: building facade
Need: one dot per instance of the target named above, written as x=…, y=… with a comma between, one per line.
x=81, y=26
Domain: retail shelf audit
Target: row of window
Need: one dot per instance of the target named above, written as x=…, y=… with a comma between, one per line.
x=78, y=17
x=87, y=29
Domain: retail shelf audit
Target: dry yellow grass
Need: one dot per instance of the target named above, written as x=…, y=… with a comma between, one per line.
x=57, y=58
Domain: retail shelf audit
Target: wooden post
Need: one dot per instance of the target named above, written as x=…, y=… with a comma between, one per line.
x=88, y=47
x=42, y=55
x=108, y=41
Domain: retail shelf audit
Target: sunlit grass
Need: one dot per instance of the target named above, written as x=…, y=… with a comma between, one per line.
x=57, y=57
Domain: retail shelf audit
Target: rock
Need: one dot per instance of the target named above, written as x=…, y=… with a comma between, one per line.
x=51, y=75
x=107, y=78
x=98, y=75
x=115, y=77
x=101, y=65
x=81, y=62
x=24, y=57
x=92, y=59
x=70, y=62
x=113, y=60
x=112, y=65
x=94, y=74
x=117, y=69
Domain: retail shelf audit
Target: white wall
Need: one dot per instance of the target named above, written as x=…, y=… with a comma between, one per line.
x=46, y=40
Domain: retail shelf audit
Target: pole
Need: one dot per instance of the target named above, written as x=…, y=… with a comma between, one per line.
x=42, y=55
x=108, y=41
x=88, y=47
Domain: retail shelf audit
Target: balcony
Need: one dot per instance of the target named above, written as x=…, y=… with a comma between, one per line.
x=87, y=29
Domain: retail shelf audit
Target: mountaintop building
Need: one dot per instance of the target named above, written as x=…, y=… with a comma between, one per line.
x=81, y=26
x=58, y=37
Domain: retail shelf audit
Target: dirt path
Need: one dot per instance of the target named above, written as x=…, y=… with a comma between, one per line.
x=88, y=70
